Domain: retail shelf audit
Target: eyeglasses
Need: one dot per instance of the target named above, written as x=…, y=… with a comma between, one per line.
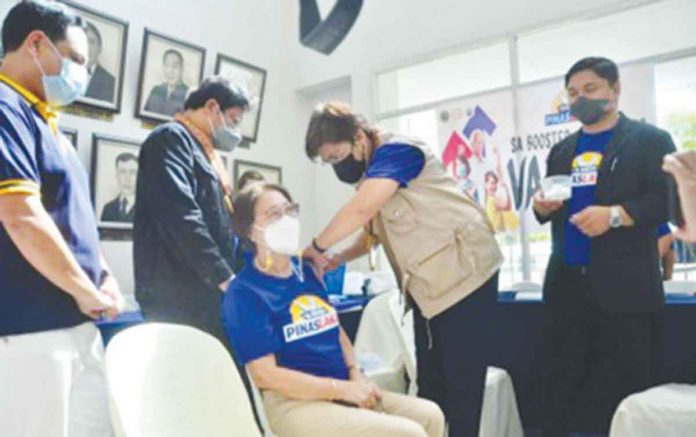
x=277, y=213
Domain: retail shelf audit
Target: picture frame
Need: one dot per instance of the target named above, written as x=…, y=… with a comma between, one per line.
x=169, y=70
x=114, y=169
x=108, y=41
x=70, y=134
x=273, y=174
x=253, y=80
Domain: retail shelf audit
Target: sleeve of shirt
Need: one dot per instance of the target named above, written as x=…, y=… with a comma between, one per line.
x=19, y=171
x=248, y=323
x=399, y=162
x=663, y=230
x=167, y=173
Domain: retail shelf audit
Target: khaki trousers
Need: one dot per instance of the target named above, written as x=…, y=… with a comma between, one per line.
x=402, y=416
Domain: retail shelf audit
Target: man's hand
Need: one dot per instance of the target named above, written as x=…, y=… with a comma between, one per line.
x=682, y=166
x=592, y=221
x=94, y=303
x=111, y=288
x=545, y=207
x=225, y=284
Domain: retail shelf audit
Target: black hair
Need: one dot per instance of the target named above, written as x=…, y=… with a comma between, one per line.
x=175, y=53
x=227, y=95
x=125, y=157
x=51, y=18
x=602, y=67
x=89, y=27
x=490, y=174
x=335, y=122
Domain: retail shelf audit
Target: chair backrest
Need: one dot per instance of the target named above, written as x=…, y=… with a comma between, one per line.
x=385, y=331
x=680, y=287
x=174, y=380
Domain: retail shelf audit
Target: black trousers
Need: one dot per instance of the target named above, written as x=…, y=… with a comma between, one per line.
x=597, y=358
x=452, y=356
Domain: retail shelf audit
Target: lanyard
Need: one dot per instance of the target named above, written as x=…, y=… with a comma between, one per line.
x=213, y=157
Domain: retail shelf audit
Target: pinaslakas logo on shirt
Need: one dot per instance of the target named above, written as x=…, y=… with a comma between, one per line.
x=585, y=169
x=310, y=316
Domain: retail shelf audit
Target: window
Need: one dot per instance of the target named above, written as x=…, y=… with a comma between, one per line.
x=465, y=73
x=638, y=33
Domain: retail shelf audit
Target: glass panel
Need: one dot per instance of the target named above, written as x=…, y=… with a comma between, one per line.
x=457, y=75
x=638, y=33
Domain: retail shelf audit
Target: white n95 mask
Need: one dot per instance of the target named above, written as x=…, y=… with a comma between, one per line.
x=283, y=236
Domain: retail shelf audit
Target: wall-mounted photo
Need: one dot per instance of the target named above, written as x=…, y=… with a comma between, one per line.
x=270, y=173
x=169, y=70
x=253, y=80
x=70, y=135
x=114, y=177
x=107, y=37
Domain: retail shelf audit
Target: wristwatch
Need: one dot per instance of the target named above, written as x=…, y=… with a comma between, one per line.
x=615, y=217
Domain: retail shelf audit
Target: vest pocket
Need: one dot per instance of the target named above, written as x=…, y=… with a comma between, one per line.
x=440, y=269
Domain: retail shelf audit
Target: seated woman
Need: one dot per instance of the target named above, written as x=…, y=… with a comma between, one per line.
x=278, y=319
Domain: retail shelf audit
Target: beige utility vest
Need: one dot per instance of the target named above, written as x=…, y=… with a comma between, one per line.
x=439, y=240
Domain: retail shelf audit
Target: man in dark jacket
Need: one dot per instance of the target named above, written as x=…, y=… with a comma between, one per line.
x=183, y=244
x=603, y=280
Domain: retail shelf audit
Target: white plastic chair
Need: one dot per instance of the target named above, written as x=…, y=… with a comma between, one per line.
x=666, y=411
x=385, y=330
x=680, y=287
x=379, y=336
x=170, y=380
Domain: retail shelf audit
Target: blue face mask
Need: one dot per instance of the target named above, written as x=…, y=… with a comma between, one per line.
x=68, y=85
x=225, y=138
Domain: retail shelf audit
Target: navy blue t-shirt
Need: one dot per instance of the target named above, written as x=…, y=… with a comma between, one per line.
x=34, y=160
x=588, y=159
x=398, y=161
x=288, y=317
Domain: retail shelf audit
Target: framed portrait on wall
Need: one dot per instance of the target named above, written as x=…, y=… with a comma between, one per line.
x=253, y=80
x=107, y=37
x=169, y=70
x=114, y=177
x=271, y=173
x=69, y=134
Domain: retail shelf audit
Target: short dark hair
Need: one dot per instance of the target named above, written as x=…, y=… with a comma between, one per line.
x=89, y=27
x=52, y=18
x=245, y=206
x=602, y=67
x=226, y=94
x=125, y=157
x=335, y=122
x=250, y=176
x=175, y=53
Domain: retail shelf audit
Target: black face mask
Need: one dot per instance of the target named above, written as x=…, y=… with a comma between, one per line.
x=589, y=111
x=350, y=170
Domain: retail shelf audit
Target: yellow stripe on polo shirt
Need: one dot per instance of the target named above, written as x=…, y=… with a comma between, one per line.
x=19, y=186
x=49, y=115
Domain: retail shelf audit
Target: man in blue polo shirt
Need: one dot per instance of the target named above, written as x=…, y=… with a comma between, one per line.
x=53, y=278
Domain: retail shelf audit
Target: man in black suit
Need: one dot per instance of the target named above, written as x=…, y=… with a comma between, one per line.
x=102, y=84
x=122, y=208
x=603, y=282
x=168, y=98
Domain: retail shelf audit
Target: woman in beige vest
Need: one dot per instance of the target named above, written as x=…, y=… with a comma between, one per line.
x=439, y=242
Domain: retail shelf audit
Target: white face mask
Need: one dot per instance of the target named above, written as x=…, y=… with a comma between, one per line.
x=66, y=86
x=283, y=236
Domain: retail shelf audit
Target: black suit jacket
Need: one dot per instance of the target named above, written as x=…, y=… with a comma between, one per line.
x=111, y=212
x=624, y=269
x=102, y=85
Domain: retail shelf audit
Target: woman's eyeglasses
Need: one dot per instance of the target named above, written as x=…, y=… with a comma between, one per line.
x=276, y=213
